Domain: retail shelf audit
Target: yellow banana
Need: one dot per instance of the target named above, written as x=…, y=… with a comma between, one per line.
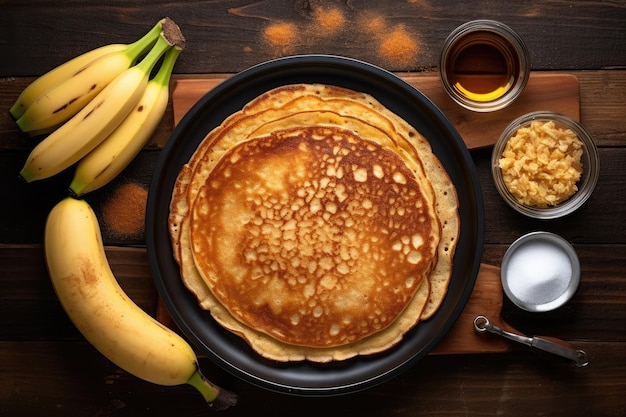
x=83, y=132
x=63, y=100
x=111, y=156
x=105, y=315
x=58, y=74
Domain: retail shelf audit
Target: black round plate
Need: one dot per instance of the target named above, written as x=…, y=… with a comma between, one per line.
x=231, y=352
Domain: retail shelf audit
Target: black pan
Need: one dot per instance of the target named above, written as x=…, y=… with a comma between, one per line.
x=229, y=351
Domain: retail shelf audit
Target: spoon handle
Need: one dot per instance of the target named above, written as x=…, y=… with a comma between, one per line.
x=547, y=344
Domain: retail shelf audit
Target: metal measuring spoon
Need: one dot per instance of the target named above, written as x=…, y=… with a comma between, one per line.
x=551, y=345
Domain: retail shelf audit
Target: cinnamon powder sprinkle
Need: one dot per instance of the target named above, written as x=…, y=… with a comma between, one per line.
x=281, y=34
x=398, y=47
x=372, y=23
x=329, y=21
x=124, y=212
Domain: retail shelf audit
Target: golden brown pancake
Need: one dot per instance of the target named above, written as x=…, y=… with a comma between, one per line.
x=307, y=105
x=314, y=236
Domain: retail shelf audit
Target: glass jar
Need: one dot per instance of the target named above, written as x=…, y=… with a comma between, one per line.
x=484, y=65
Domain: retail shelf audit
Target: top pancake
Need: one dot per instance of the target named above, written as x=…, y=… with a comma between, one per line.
x=314, y=235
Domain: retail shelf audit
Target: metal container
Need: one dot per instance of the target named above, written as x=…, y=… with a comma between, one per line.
x=540, y=272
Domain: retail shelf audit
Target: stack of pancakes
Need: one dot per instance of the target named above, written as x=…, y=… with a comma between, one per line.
x=316, y=224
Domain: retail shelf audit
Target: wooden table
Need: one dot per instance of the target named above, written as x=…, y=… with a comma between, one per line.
x=47, y=368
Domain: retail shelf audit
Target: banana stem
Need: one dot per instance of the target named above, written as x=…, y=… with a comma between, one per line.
x=162, y=77
x=218, y=398
x=147, y=41
x=170, y=36
x=206, y=388
x=148, y=62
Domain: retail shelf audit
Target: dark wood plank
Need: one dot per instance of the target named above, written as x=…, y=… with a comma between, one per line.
x=602, y=98
x=599, y=301
x=60, y=379
x=30, y=203
x=29, y=309
x=229, y=35
x=599, y=220
x=601, y=106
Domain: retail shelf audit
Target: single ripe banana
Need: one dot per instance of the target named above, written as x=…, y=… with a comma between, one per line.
x=57, y=75
x=105, y=315
x=64, y=99
x=90, y=126
x=111, y=156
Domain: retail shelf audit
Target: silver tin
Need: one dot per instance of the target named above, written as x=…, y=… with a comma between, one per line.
x=540, y=272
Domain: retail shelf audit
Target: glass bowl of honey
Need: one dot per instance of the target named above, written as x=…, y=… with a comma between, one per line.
x=484, y=65
x=545, y=165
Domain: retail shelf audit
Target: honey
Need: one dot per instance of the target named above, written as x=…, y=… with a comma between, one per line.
x=484, y=65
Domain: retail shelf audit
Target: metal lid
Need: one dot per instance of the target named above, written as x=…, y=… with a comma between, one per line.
x=540, y=272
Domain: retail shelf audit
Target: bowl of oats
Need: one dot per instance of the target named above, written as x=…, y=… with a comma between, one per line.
x=545, y=165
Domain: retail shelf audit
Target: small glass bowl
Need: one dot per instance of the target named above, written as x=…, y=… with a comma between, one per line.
x=494, y=35
x=540, y=272
x=589, y=160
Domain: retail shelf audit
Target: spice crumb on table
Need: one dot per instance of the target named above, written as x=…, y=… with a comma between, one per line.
x=281, y=35
x=399, y=47
x=124, y=212
x=329, y=20
x=396, y=45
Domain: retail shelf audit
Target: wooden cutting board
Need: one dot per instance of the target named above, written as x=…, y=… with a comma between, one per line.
x=545, y=91
x=486, y=300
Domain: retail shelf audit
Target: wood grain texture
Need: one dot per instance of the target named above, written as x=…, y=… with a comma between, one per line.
x=29, y=309
x=30, y=203
x=601, y=100
x=227, y=36
x=63, y=379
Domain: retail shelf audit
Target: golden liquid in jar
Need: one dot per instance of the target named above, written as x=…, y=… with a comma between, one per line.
x=482, y=66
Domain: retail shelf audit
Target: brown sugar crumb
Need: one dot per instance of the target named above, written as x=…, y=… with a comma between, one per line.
x=399, y=48
x=124, y=212
x=281, y=34
x=329, y=21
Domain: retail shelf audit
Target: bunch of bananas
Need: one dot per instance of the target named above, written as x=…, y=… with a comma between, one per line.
x=99, y=109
